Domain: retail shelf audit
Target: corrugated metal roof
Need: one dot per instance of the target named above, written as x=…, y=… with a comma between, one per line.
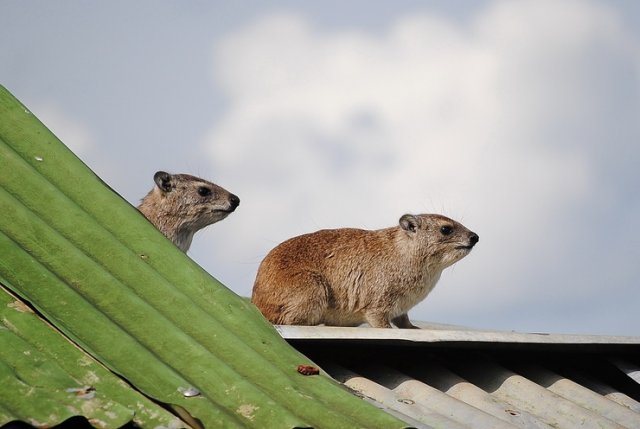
x=95, y=269
x=45, y=379
x=444, y=376
x=115, y=299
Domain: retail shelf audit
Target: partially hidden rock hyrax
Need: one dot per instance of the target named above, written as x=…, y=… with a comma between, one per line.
x=179, y=205
x=345, y=277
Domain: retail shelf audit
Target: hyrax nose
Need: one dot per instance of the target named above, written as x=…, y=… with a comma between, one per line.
x=473, y=238
x=234, y=201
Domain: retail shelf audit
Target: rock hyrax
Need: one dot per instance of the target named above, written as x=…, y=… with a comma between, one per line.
x=345, y=277
x=179, y=205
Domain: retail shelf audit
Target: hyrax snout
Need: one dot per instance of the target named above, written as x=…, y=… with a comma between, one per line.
x=180, y=204
x=345, y=277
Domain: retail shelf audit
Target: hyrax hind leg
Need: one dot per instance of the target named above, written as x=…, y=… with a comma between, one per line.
x=377, y=319
x=302, y=301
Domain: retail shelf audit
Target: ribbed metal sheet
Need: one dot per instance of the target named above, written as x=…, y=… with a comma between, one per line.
x=98, y=272
x=443, y=376
x=45, y=379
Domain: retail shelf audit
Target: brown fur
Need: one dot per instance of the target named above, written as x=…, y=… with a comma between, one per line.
x=345, y=277
x=179, y=205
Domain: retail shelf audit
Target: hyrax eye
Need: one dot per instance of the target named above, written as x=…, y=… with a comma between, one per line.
x=204, y=191
x=446, y=230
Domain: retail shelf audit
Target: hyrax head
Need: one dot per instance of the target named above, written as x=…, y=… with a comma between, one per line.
x=196, y=201
x=443, y=240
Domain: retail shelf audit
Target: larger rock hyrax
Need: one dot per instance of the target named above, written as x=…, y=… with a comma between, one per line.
x=345, y=277
x=180, y=204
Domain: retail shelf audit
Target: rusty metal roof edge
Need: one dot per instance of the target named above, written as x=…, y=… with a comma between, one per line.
x=436, y=333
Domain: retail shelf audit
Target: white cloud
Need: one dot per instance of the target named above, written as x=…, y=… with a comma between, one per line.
x=491, y=121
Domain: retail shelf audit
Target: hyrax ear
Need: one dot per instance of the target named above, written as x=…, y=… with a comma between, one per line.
x=163, y=180
x=409, y=223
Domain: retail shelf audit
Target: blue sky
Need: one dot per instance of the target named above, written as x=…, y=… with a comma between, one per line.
x=518, y=118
